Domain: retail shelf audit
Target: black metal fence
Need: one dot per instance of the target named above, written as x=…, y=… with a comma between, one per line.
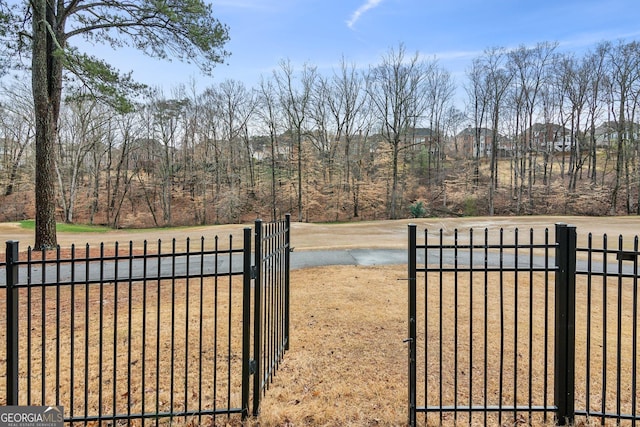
x=271, y=314
x=142, y=334
x=522, y=329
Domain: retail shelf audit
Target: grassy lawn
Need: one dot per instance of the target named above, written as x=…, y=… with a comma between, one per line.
x=62, y=227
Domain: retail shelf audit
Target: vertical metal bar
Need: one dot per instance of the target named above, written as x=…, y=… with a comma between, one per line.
x=486, y=325
x=546, y=323
x=634, y=344
x=571, y=324
x=560, y=360
x=143, y=338
x=215, y=321
x=129, y=332
x=516, y=285
x=200, y=330
x=11, y=270
x=501, y=283
x=470, y=324
x=57, y=332
x=425, y=239
x=530, y=373
x=101, y=332
x=441, y=327
x=565, y=323
x=619, y=335
x=589, y=303
x=87, y=251
x=43, y=323
x=246, y=321
x=605, y=317
x=257, y=318
x=455, y=326
x=172, y=347
x=229, y=320
x=412, y=324
x=72, y=328
x=158, y=323
x=287, y=281
x=186, y=326
x=29, y=321
x=115, y=335
x=269, y=348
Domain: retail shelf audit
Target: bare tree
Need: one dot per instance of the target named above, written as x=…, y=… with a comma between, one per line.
x=478, y=104
x=440, y=91
x=531, y=67
x=397, y=90
x=595, y=64
x=347, y=104
x=498, y=80
x=80, y=132
x=120, y=166
x=624, y=65
x=17, y=126
x=295, y=98
x=574, y=81
x=269, y=114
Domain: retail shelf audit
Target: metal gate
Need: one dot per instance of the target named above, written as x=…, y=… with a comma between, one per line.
x=123, y=333
x=271, y=306
x=493, y=326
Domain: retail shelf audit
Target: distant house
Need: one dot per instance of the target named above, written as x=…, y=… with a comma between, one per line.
x=422, y=138
x=548, y=137
x=421, y=135
x=607, y=133
x=478, y=142
x=261, y=147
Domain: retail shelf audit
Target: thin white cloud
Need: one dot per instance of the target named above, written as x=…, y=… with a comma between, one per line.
x=368, y=5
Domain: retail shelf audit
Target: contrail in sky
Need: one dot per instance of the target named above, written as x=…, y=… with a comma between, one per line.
x=370, y=4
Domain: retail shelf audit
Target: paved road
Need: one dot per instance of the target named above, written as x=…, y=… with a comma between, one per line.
x=181, y=266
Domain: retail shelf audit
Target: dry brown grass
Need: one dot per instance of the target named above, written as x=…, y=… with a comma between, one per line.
x=347, y=364
x=144, y=354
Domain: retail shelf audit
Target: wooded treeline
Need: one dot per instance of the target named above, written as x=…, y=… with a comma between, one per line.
x=357, y=143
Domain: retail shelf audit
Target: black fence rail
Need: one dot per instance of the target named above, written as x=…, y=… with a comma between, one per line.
x=116, y=335
x=515, y=329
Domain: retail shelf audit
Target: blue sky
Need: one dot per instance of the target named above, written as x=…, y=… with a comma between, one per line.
x=320, y=32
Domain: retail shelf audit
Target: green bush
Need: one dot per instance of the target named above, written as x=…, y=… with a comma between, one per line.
x=470, y=206
x=418, y=210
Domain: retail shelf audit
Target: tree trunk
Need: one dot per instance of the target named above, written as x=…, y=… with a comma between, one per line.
x=46, y=74
x=394, y=181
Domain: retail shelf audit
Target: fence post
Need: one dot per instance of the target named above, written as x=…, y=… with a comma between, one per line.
x=412, y=324
x=257, y=319
x=12, y=322
x=565, y=316
x=246, y=321
x=287, y=267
